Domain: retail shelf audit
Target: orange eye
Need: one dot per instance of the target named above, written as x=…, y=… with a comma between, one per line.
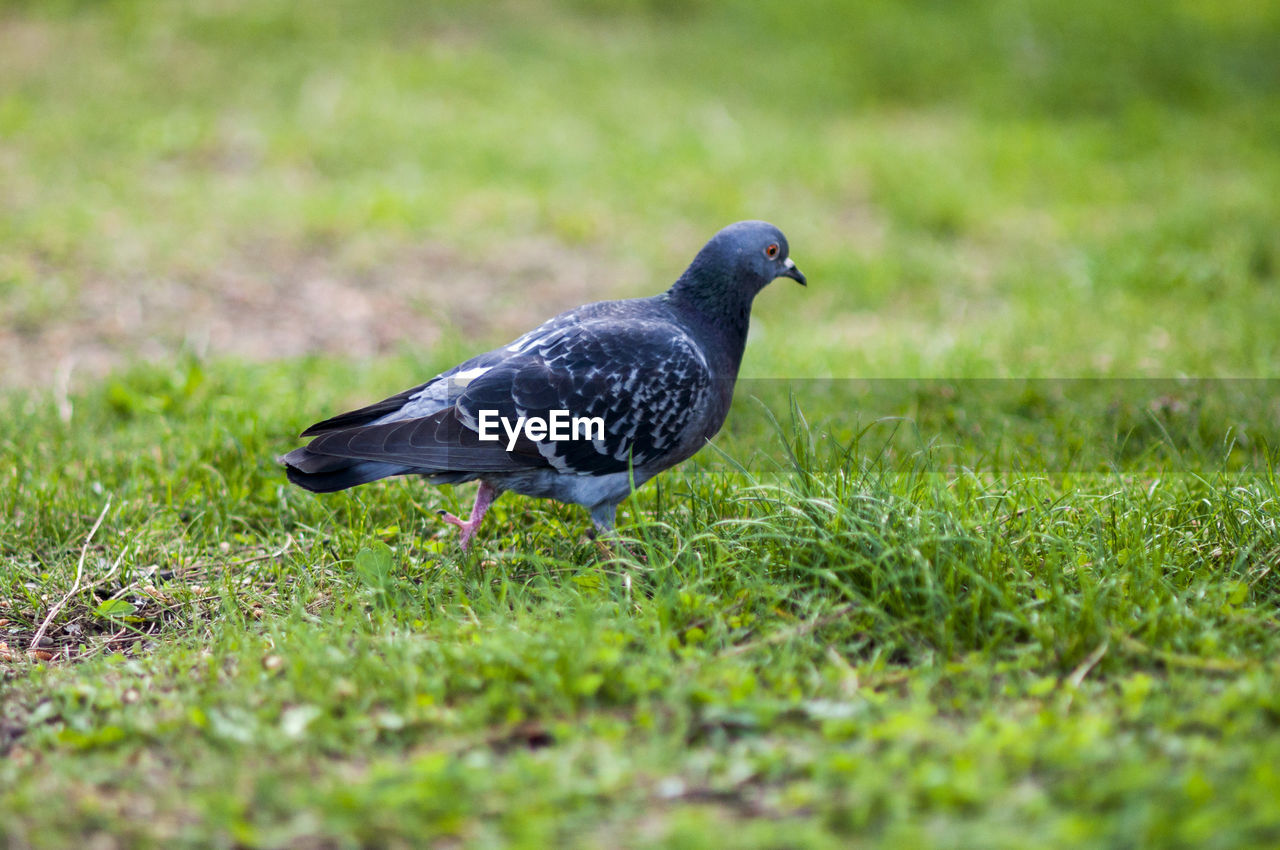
x=772, y=251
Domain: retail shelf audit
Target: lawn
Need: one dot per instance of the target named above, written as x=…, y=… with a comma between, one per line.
x=987, y=555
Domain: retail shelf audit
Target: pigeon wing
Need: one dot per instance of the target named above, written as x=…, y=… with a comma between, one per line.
x=366, y=415
x=648, y=384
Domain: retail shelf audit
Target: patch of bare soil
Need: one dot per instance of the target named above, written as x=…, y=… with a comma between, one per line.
x=273, y=302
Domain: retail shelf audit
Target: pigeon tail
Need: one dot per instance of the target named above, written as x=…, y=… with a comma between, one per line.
x=327, y=474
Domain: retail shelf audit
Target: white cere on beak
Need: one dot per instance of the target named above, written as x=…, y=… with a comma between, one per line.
x=787, y=262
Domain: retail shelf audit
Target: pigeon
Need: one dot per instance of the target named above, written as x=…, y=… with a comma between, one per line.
x=644, y=383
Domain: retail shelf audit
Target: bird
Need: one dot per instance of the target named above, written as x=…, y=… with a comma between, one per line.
x=646, y=382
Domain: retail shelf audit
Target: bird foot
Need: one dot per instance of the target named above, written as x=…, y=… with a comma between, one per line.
x=466, y=529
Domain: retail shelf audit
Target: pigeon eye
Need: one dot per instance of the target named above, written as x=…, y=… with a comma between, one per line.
x=772, y=251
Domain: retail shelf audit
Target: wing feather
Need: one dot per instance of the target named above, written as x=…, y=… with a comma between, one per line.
x=648, y=381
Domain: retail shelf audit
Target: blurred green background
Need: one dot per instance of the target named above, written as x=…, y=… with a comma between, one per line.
x=974, y=189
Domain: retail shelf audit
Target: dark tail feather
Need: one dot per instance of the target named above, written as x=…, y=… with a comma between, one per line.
x=328, y=474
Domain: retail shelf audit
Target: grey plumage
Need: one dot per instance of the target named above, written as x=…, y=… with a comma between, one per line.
x=658, y=371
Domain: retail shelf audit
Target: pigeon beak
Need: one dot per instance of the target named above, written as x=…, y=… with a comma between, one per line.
x=793, y=272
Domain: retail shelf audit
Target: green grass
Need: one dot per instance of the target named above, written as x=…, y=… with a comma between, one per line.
x=973, y=564
x=854, y=648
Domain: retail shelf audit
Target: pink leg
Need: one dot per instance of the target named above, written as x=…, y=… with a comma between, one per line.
x=484, y=498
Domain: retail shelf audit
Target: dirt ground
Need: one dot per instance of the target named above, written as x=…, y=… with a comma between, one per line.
x=273, y=303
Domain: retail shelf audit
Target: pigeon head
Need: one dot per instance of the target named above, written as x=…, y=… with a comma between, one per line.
x=734, y=266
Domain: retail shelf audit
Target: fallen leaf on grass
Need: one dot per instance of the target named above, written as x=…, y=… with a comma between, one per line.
x=115, y=608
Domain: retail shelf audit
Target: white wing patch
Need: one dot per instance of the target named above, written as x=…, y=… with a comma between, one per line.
x=459, y=380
